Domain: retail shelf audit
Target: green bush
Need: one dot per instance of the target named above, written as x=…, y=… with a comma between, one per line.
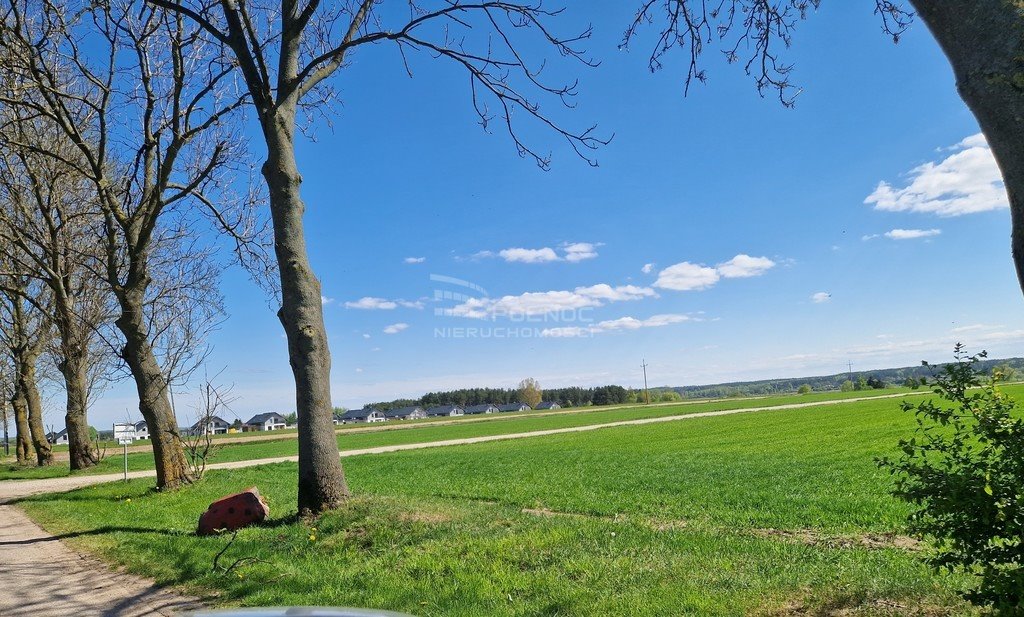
x=804, y=389
x=963, y=471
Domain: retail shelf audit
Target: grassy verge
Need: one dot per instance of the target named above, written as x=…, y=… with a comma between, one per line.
x=774, y=513
x=356, y=437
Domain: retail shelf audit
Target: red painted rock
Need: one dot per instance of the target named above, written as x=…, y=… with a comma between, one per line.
x=233, y=512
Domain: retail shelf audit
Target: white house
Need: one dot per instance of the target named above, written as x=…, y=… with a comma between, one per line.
x=58, y=438
x=445, y=410
x=477, y=409
x=514, y=407
x=270, y=421
x=215, y=426
x=406, y=413
x=549, y=405
x=366, y=414
x=141, y=430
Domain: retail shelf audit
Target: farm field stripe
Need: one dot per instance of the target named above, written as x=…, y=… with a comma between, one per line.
x=15, y=489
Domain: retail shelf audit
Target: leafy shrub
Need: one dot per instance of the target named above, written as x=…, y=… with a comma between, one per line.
x=963, y=470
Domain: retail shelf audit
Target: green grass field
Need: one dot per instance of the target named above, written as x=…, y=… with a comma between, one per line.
x=772, y=513
x=355, y=437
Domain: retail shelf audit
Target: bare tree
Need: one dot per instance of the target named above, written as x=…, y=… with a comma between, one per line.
x=287, y=51
x=199, y=445
x=49, y=229
x=983, y=40
x=26, y=329
x=145, y=106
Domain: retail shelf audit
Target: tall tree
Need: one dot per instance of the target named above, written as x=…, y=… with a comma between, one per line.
x=145, y=106
x=26, y=330
x=48, y=226
x=287, y=52
x=530, y=392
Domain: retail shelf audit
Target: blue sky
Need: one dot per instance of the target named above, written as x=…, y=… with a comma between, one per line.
x=722, y=237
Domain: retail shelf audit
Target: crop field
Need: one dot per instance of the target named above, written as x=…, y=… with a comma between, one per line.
x=356, y=437
x=771, y=513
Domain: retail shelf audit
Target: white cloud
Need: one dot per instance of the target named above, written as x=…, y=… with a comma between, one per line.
x=647, y=268
x=821, y=297
x=359, y=370
x=366, y=336
x=395, y=328
x=743, y=266
x=544, y=302
x=604, y=291
x=972, y=327
x=414, y=260
x=622, y=323
x=324, y=300
x=965, y=182
x=912, y=234
x=686, y=276
x=529, y=256
x=372, y=304
x=579, y=251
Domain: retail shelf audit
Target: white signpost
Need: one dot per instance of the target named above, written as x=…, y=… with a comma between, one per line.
x=124, y=434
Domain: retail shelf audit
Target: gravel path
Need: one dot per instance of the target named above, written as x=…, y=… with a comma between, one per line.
x=43, y=577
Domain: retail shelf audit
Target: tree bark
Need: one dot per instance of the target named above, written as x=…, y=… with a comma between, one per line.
x=34, y=406
x=72, y=367
x=322, y=483
x=154, y=404
x=23, y=444
x=984, y=41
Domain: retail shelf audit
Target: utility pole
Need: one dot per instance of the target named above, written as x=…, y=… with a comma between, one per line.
x=849, y=365
x=647, y=394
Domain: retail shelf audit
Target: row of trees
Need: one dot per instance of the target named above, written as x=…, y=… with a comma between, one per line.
x=116, y=146
x=529, y=392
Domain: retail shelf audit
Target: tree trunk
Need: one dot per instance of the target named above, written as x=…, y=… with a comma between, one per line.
x=34, y=406
x=321, y=478
x=168, y=452
x=23, y=445
x=72, y=367
x=984, y=41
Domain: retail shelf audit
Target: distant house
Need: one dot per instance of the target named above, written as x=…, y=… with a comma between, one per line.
x=366, y=414
x=514, y=407
x=406, y=413
x=549, y=405
x=214, y=426
x=270, y=421
x=445, y=410
x=478, y=409
x=141, y=430
x=58, y=438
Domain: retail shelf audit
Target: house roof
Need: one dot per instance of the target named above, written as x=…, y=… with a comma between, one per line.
x=261, y=418
x=212, y=420
x=358, y=414
x=442, y=410
x=140, y=425
x=479, y=408
x=402, y=411
x=513, y=407
x=55, y=436
x=548, y=405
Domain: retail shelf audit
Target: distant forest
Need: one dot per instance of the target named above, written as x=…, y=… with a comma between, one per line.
x=887, y=377
x=612, y=394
